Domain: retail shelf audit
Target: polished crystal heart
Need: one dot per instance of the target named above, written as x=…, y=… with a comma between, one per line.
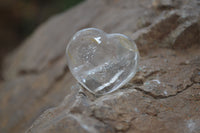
x=101, y=62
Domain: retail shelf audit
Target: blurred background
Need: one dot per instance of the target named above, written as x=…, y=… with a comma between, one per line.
x=19, y=18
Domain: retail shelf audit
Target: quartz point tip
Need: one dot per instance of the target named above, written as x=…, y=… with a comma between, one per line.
x=101, y=62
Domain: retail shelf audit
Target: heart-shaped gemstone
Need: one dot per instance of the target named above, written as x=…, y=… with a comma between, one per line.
x=102, y=62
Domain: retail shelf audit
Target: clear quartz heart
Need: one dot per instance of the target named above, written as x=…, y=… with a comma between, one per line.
x=101, y=62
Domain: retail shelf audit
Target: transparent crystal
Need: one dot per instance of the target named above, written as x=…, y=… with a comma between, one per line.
x=102, y=62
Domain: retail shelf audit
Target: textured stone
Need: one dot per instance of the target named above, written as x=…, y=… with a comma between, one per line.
x=162, y=97
x=166, y=4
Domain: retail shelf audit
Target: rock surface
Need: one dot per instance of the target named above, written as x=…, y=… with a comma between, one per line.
x=164, y=96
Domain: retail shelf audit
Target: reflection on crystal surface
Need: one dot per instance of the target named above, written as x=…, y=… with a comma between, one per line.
x=102, y=62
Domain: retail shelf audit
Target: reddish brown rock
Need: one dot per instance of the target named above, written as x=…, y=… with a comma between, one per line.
x=162, y=97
